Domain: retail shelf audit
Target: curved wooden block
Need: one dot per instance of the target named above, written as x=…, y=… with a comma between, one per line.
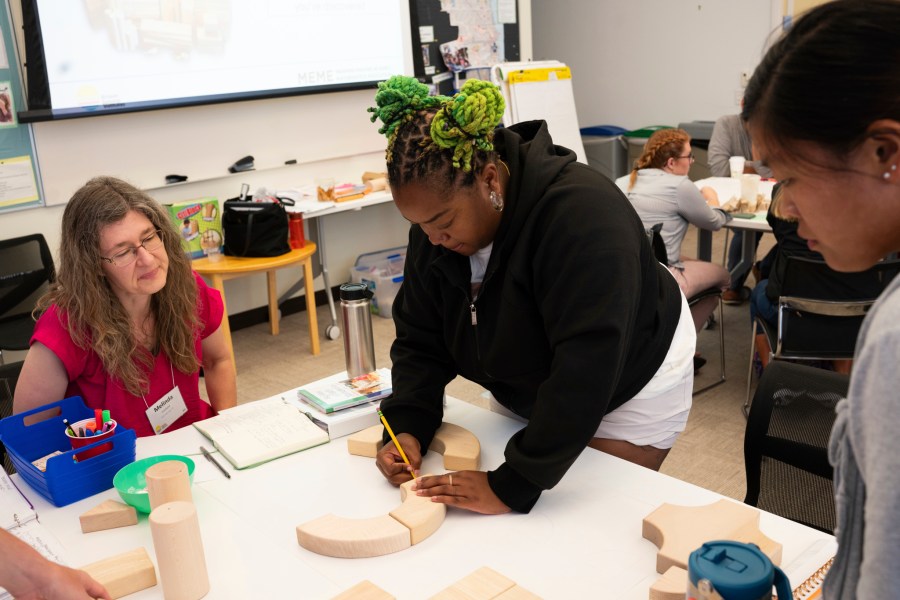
x=418, y=513
x=679, y=530
x=459, y=446
x=414, y=520
x=671, y=585
x=353, y=538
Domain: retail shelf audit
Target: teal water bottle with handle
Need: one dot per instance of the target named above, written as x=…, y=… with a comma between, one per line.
x=727, y=570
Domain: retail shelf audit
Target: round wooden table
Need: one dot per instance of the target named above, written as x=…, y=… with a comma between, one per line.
x=230, y=267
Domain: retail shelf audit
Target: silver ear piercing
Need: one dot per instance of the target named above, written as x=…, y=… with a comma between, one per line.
x=887, y=174
x=496, y=201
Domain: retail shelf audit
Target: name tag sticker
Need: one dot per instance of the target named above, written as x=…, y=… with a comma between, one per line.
x=166, y=410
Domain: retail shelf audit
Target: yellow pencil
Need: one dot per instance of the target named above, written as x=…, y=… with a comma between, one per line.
x=396, y=443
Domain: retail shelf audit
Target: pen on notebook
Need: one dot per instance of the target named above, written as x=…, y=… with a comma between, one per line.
x=396, y=443
x=212, y=459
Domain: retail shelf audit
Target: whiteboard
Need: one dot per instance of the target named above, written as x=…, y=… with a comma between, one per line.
x=541, y=90
x=201, y=142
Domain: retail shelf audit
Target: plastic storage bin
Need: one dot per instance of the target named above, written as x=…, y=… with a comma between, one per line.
x=605, y=149
x=65, y=480
x=382, y=272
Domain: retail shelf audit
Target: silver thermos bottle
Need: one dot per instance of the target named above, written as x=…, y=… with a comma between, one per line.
x=356, y=314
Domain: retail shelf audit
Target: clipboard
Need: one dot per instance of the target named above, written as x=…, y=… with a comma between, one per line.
x=541, y=90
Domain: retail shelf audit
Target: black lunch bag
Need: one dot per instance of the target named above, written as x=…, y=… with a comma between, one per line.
x=255, y=229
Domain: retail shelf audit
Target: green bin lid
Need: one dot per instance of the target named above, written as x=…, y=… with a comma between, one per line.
x=645, y=132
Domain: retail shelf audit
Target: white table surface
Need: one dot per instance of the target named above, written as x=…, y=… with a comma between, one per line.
x=582, y=539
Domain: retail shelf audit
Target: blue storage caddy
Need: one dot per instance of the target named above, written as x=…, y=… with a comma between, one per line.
x=65, y=480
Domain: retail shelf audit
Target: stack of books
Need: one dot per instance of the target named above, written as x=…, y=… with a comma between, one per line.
x=346, y=405
x=330, y=394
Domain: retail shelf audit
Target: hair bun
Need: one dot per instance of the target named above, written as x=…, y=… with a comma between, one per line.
x=478, y=107
x=467, y=121
x=397, y=99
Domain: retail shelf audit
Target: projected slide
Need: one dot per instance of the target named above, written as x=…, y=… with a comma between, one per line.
x=102, y=54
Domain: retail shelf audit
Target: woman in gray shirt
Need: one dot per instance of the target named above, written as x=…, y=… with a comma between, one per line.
x=823, y=111
x=661, y=192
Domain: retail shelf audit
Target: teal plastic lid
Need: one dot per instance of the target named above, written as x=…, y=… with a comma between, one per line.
x=736, y=570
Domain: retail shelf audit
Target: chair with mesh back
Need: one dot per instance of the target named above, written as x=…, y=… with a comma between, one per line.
x=659, y=251
x=823, y=327
x=786, y=443
x=9, y=376
x=26, y=270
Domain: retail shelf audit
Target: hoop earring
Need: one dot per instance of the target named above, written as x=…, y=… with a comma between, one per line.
x=496, y=201
x=887, y=174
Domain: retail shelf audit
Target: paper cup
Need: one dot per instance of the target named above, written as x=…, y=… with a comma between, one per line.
x=81, y=442
x=736, y=164
x=750, y=190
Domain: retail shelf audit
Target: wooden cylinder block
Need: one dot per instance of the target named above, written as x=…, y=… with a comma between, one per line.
x=179, y=551
x=168, y=481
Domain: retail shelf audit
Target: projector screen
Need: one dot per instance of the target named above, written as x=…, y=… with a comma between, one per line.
x=114, y=56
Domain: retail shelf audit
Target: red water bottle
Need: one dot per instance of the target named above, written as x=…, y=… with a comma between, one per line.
x=295, y=222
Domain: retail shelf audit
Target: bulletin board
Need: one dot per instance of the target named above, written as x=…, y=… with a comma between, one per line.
x=19, y=176
x=451, y=38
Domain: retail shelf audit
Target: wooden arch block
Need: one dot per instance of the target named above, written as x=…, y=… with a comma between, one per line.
x=679, y=530
x=366, y=442
x=107, y=515
x=671, y=586
x=353, y=538
x=459, y=446
x=418, y=514
x=414, y=520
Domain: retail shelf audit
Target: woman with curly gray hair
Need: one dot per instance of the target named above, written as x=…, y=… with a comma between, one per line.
x=127, y=324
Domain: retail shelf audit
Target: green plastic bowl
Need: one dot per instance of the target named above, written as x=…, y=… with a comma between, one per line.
x=131, y=480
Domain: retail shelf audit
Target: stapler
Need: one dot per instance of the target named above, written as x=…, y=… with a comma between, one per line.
x=243, y=164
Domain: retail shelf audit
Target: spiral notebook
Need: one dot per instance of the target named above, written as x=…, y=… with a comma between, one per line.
x=812, y=587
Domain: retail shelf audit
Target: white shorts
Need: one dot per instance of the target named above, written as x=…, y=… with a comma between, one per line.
x=659, y=412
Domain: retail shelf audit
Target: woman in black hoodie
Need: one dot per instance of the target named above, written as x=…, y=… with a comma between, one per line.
x=531, y=275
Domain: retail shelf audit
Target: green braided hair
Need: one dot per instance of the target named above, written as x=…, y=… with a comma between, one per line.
x=467, y=121
x=437, y=140
x=397, y=100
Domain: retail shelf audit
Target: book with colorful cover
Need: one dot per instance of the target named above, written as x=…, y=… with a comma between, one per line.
x=330, y=394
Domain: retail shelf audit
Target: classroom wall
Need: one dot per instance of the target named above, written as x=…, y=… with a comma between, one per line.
x=654, y=62
x=328, y=134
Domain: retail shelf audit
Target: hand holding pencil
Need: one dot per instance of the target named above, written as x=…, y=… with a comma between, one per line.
x=399, y=459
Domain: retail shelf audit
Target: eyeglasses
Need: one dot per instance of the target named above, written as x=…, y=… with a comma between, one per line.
x=690, y=156
x=129, y=255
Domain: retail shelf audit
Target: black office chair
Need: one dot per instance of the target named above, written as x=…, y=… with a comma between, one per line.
x=786, y=443
x=26, y=270
x=659, y=251
x=817, y=329
x=9, y=376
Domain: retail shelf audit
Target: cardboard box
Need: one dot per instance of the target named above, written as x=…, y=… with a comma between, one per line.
x=200, y=224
